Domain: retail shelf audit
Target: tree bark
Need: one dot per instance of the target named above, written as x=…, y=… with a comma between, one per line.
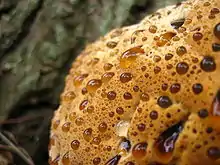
x=39, y=40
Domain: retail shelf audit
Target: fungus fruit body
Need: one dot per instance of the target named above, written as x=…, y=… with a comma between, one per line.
x=145, y=94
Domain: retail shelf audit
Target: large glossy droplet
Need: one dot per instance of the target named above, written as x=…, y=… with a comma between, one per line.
x=139, y=150
x=93, y=85
x=129, y=56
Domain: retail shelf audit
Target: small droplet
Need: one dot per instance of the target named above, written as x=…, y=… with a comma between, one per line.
x=141, y=127
x=136, y=88
x=66, y=127
x=209, y=130
x=83, y=104
x=79, y=121
x=208, y=64
x=197, y=88
x=93, y=85
x=164, y=102
x=90, y=109
x=213, y=153
x=214, y=11
x=181, y=50
x=69, y=96
x=153, y=29
x=129, y=56
x=157, y=69
x=139, y=150
x=197, y=36
x=217, y=31
x=153, y=115
x=203, y=113
x=127, y=96
x=164, y=87
x=96, y=141
x=75, y=144
x=125, y=77
x=175, y=88
x=107, y=66
x=87, y=134
x=144, y=97
x=106, y=77
x=182, y=68
x=168, y=56
x=120, y=110
x=96, y=160
x=56, y=124
x=102, y=127
x=84, y=91
x=111, y=44
x=111, y=95
x=79, y=79
x=157, y=58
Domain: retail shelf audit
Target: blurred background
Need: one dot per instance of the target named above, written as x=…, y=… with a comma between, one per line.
x=39, y=40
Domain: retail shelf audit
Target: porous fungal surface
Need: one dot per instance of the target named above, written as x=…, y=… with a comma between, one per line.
x=147, y=94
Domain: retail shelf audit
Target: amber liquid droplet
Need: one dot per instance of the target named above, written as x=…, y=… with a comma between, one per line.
x=125, y=77
x=93, y=85
x=69, y=96
x=166, y=142
x=65, y=159
x=139, y=150
x=66, y=127
x=107, y=66
x=216, y=105
x=106, y=77
x=111, y=95
x=79, y=121
x=102, y=127
x=87, y=134
x=75, y=144
x=83, y=104
x=114, y=160
x=208, y=64
x=182, y=68
x=96, y=161
x=56, y=124
x=129, y=56
x=79, y=79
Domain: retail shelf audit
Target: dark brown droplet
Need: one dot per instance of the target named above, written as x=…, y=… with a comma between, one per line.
x=197, y=36
x=139, y=150
x=177, y=23
x=197, y=88
x=111, y=95
x=213, y=153
x=203, y=113
x=182, y=68
x=153, y=115
x=96, y=140
x=136, y=88
x=102, y=127
x=84, y=91
x=217, y=31
x=66, y=159
x=83, y=104
x=106, y=77
x=114, y=160
x=144, y=97
x=181, y=50
x=164, y=102
x=120, y=110
x=125, y=77
x=157, y=58
x=216, y=105
x=216, y=47
x=107, y=66
x=168, y=56
x=111, y=44
x=75, y=144
x=141, y=127
x=214, y=11
x=174, y=88
x=96, y=160
x=209, y=130
x=157, y=69
x=127, y=96
x=164, y=87
x=208, y=64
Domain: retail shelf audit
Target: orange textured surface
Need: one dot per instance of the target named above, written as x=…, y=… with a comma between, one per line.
x=147, y=94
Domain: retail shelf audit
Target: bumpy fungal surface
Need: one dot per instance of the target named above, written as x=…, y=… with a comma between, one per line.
x=147, y=94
